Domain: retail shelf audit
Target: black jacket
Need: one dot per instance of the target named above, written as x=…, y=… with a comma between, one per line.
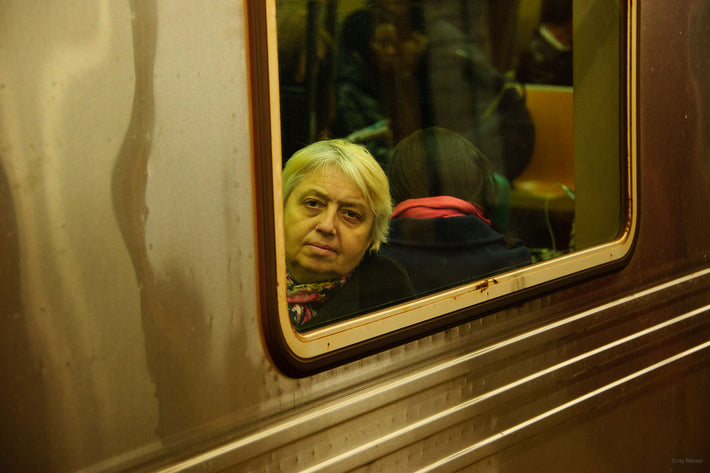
x=446, y=251
x=376, y=282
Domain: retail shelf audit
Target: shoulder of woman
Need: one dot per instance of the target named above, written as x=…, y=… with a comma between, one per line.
x=375, y=262
x=380, y=271
x=378, y=281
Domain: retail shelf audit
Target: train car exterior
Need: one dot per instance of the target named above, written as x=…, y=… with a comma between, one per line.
x=141, y=272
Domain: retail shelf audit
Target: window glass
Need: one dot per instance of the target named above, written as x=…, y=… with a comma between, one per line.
x=496, y=132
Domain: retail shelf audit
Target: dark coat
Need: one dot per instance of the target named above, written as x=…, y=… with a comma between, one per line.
x=377, y=282
x=446, y=251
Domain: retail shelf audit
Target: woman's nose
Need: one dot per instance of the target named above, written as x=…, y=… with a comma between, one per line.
x=327, y=222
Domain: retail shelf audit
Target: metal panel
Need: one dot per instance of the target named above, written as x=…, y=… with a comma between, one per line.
x=129, y=211
x=129, y=329
x=458, y=411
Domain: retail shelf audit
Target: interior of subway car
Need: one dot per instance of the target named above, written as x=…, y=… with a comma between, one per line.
x=502, y=75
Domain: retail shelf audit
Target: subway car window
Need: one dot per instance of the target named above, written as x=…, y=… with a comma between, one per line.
x=444, y=155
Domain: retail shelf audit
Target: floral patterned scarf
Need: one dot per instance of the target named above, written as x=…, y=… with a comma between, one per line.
x=305, y=299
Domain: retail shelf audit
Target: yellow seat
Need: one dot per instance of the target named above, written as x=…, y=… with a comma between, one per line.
x=551, y=166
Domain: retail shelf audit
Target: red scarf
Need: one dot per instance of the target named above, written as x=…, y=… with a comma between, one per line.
x=440, y=206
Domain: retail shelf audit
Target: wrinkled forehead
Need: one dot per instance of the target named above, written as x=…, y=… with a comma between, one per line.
x=332, y=183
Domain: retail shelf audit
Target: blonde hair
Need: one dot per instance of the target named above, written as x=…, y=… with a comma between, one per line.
x=358, y=164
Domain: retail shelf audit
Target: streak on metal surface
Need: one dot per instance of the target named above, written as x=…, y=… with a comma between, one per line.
x=130, y=173
x=352, y=406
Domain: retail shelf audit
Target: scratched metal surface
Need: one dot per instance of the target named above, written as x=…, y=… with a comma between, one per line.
x=130, y=336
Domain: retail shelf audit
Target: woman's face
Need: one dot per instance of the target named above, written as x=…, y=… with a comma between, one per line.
x=328, y=226
x=384, y=45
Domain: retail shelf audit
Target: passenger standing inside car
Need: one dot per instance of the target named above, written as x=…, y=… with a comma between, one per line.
x=548, y=57
x=366, y=65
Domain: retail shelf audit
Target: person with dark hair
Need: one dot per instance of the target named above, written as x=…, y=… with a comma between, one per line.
x=548, y=57
x=444, y=189
x=304, y=67
x=367, y=57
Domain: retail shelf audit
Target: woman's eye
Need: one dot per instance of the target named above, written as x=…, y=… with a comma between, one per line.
x=310, y=203
x=352, y=215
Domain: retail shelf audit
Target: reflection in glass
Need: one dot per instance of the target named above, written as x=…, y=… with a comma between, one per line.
x=443, y=226
x=497, y=76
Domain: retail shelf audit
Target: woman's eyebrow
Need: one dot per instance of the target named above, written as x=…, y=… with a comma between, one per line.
x=358, y=203
x=316, y=193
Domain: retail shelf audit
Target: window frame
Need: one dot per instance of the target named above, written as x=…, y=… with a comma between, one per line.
x=301, y=354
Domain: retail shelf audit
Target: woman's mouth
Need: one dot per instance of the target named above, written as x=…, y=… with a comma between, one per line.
x=321, y=248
